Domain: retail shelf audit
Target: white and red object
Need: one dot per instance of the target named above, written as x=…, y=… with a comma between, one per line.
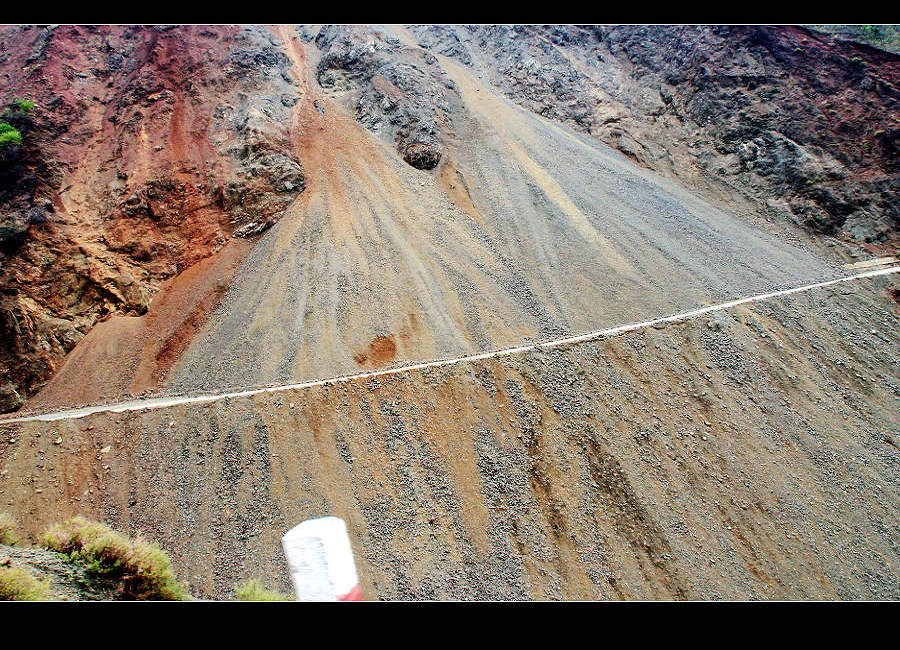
x=321, y=560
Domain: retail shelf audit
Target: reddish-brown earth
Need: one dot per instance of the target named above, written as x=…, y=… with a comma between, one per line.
x=130, y=355
x=146, y=148
x=748, y=455
x=381, y=350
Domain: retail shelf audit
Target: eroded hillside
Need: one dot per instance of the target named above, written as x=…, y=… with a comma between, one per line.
x=747, y=454
x=442, y=218
x=147, y=150
x=200, y=210
x=803, y=126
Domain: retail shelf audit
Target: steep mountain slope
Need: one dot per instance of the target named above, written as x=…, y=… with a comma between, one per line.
x=802, y=127
x=546, y=232
x=443, y=219
x=148, y=148
x=197, y=209
x=750, y=454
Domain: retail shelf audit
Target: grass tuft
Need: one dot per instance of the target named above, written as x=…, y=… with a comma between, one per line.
x=143, y=569
x=8, y=529
x=253, y=589
x=18, y=584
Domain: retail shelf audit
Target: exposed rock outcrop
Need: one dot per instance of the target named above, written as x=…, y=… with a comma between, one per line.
x=397, y=92
x=805, y=125
x=147, y=150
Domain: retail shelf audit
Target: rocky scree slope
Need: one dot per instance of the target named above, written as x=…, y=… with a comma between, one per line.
x=749, y=454
x=152, y=147
x=148, y=149
x=805, y=126
x=524, y=230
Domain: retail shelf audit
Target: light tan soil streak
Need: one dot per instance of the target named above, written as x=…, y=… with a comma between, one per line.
x=750, y=453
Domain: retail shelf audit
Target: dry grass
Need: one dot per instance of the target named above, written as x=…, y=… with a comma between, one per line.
x=143, y=569
x=18, y=584
x=8, y=529
x=254, y=590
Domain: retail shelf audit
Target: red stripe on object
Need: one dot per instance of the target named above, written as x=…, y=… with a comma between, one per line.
x=353, y=594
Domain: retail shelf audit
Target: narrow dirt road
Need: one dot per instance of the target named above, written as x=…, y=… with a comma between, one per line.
x=164, y=402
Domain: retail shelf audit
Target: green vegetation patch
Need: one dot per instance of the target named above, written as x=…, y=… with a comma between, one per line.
x=9, y=135
x=18, y=584
x=143, y=569
x=254, y=590
x=25, y=105
x=885, y=37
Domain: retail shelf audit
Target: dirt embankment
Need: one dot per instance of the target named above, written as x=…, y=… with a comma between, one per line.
x=147, y=150
x=750, y=454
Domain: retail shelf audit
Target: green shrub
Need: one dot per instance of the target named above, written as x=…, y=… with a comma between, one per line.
x=9, y=135
x=143, y=569
x=8, y=529
x=18, y=584
x=25, y=105
x=253, y=589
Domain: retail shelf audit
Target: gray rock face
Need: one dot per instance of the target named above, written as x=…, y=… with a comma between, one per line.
x=777, y=113
x=398, y=93
x=10, y=400
x=66, y=581
x=422, y=156
x=444, y=40
x=269, y=176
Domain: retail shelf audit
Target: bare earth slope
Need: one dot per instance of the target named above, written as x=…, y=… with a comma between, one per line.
x=441, y=218
x=749, y=455
x=441, y=211
x=149, y=148
x=550, y=232
x=790, y=122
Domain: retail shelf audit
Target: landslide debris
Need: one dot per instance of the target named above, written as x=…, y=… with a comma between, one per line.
x=746, y=454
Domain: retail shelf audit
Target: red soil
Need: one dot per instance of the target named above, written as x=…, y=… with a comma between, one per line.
x=132, y=355
x=381, y=351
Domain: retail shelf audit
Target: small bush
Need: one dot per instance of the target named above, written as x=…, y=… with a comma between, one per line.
x=8, y=529
x=18, y=584
x=142, y=567
x=254, y=590
x=25, y=105
x=9, y=135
